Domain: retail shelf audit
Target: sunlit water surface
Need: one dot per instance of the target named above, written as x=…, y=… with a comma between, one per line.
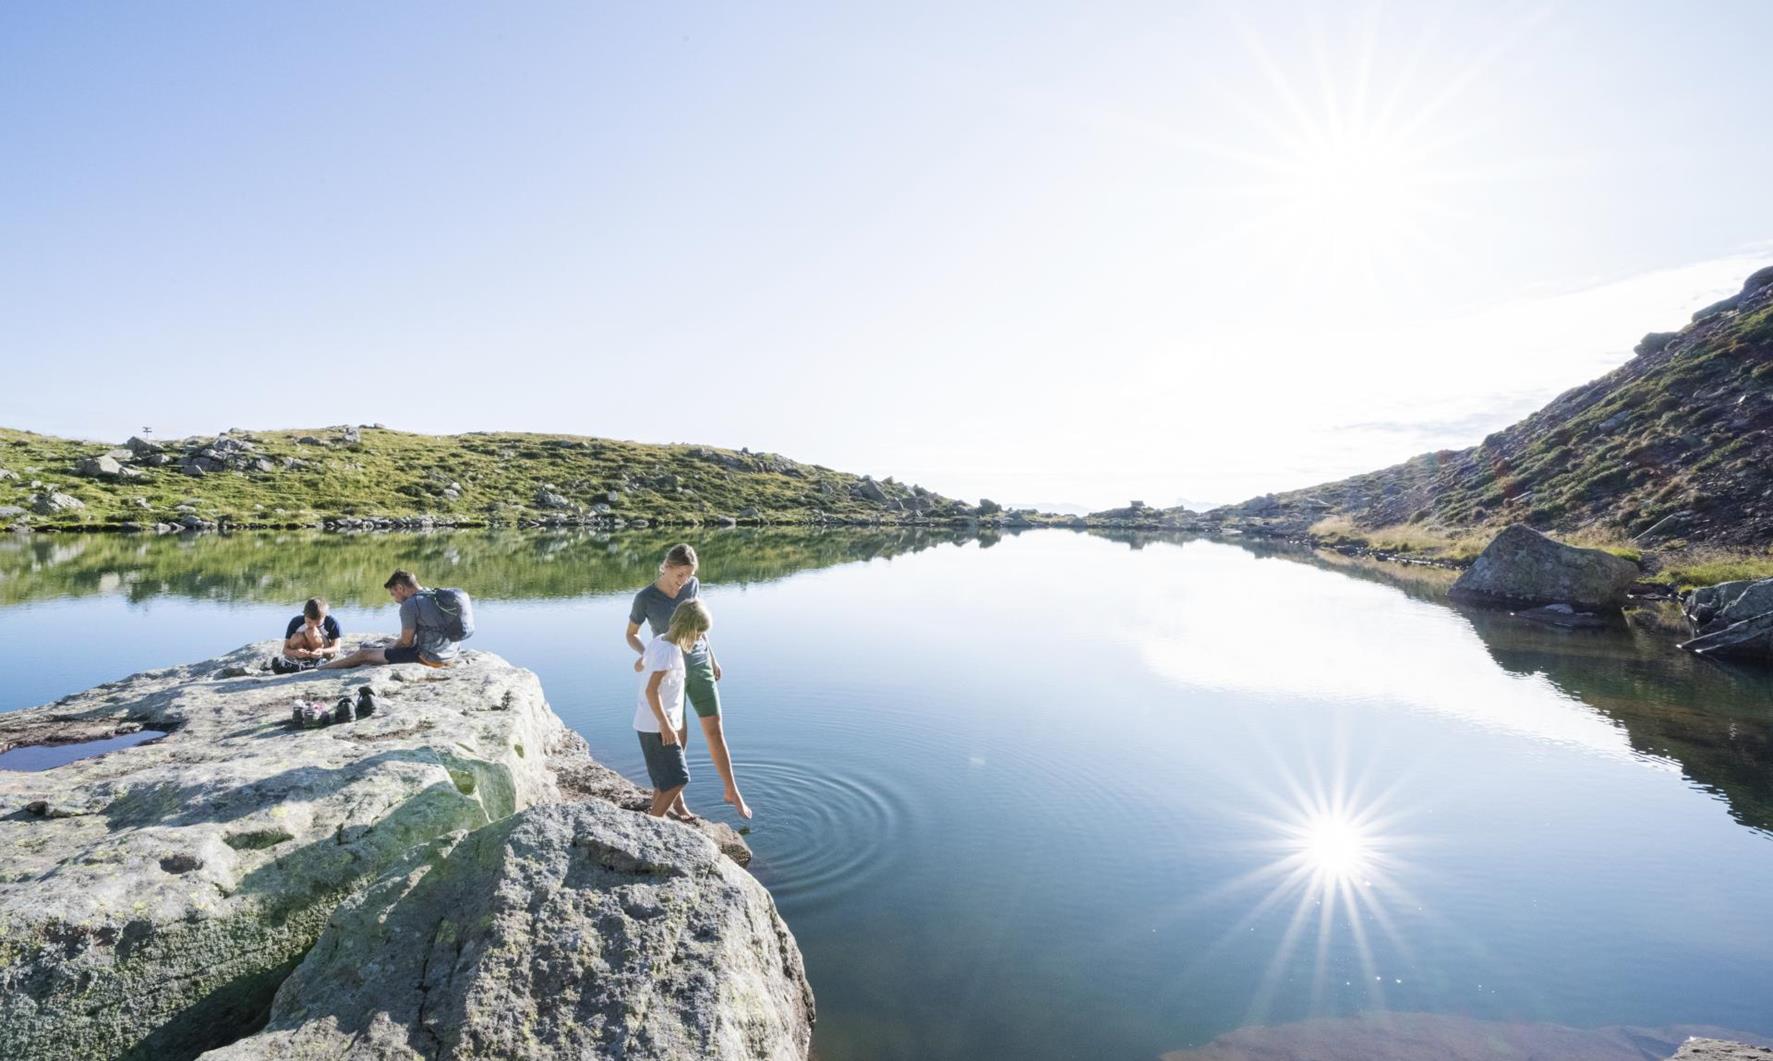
x=1056, y=796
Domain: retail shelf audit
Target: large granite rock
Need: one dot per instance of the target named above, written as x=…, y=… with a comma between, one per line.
x=566, y=931
x=153, y=898
x=1523, y=568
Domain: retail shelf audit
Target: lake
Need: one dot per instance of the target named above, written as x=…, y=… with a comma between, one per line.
x=1059, y=795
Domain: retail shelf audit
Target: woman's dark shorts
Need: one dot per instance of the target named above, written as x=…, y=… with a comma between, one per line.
x=665, y=765
x=700, y=688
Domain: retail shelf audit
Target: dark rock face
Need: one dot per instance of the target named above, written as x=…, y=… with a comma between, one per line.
x=565, y=931
x=1732, y=619
x=1523, y=568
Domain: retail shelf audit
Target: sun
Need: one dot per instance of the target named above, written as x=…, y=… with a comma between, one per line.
x=1335, y=848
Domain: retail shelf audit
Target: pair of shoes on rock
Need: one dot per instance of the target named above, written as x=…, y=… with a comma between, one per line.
x=280, y=665
x=367, y=704
x=310, y=714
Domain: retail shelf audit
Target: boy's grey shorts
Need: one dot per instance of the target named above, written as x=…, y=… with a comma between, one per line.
x=665, y=764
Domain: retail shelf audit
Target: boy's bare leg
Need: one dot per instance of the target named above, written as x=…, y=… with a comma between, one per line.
x=723, y=764
x=662, y=799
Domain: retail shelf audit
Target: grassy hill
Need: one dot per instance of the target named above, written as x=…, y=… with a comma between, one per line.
x=292, y=478
x=1673, y=450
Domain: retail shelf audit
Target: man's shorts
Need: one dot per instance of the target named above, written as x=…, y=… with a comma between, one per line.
x=700, y=687
x=409, y=654
x=665, y=765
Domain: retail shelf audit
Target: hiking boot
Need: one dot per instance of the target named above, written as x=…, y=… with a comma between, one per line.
x=345, y=710
x=366, y=702
x=279, y=665
x=310, y=714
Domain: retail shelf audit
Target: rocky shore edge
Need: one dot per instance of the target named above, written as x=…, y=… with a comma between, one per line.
x=453, y=875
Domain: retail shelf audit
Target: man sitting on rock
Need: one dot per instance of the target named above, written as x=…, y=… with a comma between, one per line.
x=424, y=630
x=309, y=638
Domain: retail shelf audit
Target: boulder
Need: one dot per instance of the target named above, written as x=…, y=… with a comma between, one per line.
x=988, y=507
x=546, y=498
x=51, y=502
x=1754, y=599
x=152, y=899
x=103, y=466
x=1654, y=343
x=869, y=490
x=1714, y=607
x=1523, y=568
x=141, y=447
x=564, y=931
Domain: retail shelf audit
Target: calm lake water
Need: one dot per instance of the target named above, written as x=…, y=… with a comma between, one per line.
x=1057, y=795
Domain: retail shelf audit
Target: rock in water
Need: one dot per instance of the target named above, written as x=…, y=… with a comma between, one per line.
x=153, y=898
x=565, y=931
x=1523, y=568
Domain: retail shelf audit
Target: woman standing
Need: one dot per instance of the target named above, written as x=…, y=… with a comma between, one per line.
x=653, y=606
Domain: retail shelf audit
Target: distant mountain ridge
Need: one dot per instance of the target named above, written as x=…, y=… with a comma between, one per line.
x=1676, y=445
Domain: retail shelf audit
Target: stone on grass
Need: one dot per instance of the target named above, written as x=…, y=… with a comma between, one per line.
x=1523, y=568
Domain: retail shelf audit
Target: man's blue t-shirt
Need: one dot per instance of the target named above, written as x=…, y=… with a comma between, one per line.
x=328, y=626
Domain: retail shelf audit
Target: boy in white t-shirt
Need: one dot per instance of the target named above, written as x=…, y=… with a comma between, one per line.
x=658, y=717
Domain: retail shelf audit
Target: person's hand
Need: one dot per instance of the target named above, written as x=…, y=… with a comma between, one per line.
x=668, y=737
x=639, y=665
x=716, y=671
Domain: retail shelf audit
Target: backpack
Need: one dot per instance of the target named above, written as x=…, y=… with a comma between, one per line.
x=458, y=612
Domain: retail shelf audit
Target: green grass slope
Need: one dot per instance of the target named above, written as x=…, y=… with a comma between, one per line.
x=291, y=478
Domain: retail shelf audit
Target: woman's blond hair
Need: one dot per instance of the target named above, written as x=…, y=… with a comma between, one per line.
x=679, y=556
x=688, y=623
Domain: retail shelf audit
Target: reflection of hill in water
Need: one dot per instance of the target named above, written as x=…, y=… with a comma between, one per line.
x=350, y=569
x=1712, y=718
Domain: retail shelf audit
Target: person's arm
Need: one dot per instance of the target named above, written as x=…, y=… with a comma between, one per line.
x=667, y=732
x=634, y=641
x=712, y=662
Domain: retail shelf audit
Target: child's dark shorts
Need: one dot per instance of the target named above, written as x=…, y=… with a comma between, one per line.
x=665, y=765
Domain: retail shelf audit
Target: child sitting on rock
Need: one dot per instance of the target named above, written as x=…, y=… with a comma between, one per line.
x=658, y=717
x=309, y=638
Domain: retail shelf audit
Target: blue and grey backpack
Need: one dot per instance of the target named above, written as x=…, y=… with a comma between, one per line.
x=458, y=612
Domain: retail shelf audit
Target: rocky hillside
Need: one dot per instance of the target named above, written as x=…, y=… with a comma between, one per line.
x=1675, y=445
x=355, y=476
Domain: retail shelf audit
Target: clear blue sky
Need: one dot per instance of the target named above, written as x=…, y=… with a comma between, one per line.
x=1034, y=251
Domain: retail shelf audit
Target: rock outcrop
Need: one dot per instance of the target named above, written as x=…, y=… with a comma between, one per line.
x=1522, y=568
x=154, y=898
x=1732, y=619
x=565, y=931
